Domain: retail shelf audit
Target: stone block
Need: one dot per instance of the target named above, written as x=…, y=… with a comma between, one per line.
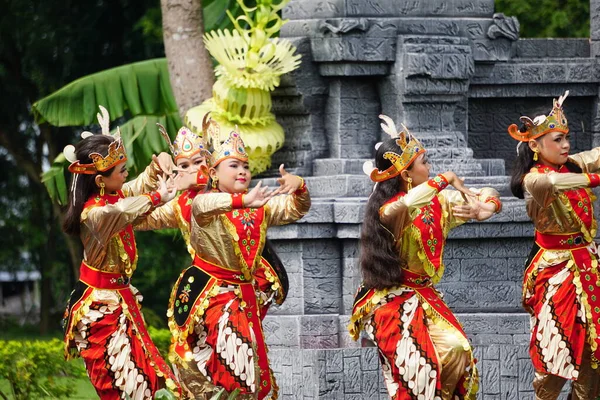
x=352, y=375
x=513, y=323
x=319, y=325
x=509, y=366
x=509, y=388
x=477, y=269
x=282, y=332
x=526, y=373
x=529, y=73
x=490, y=377
x=479, y=323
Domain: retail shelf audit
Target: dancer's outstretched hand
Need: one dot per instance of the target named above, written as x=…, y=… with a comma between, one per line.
x=474, y=209
x=165, y=162
x=288, y=183
x=166, y=189
x=186, y=178
x=258, y=196
x=459, y=185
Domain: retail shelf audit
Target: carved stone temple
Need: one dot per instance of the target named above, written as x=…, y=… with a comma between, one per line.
x=457, y=75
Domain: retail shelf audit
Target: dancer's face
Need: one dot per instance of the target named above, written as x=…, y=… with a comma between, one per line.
x=233, y=175
x=553, y=148
x=115, y=180
x=195, y=162
x=419, y=170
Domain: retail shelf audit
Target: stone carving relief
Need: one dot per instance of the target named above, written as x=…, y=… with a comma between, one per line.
x=504, y=27
x=345, y=25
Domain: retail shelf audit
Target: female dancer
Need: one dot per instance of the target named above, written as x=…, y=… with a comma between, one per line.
x=424, y=351
x=217, y=314
x=561, y=283
x=103, y=322
x=190, y=154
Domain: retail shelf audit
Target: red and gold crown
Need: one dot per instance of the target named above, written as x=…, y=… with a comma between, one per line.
x=556, y=121
x=411, y=149
x=116, y=150
x=186, y=143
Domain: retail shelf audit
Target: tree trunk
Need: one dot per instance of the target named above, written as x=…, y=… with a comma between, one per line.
x=190, y=66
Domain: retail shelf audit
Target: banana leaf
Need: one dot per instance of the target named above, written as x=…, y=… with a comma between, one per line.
x=140, y=91
x=142, y=88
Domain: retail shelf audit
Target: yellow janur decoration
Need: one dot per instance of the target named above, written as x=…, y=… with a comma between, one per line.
x=251, y=63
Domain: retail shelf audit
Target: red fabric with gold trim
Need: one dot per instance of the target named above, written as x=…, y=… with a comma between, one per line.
x=247, y=222
x=390, y=325
x=185, y=200
x=579, y=198
x=126, y=235
x=562, y=307
x=241, y=324
x=107, y=371
x=429, y=224
x=594, y=180
x=237, y=200
x=439, y=182
x=565, y=302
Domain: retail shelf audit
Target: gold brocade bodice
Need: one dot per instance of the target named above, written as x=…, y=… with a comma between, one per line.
x=546, y=199
x=100, y=225
x=420, y=221
x=216, y=241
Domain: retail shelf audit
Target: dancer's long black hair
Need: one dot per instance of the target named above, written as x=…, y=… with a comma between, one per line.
x=524, y=163
x=86, y=184
x=380, y=263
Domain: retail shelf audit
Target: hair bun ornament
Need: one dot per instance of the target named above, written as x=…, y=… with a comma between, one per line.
x=69, y=152
x=368, y=168
x=86, y=134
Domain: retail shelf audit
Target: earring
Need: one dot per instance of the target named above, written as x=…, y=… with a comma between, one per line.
x=215, y=181
x=409, y=183
x=101, y=188
x=535, y=156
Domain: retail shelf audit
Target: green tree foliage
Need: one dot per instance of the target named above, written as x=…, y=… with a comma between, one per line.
x=549, y=18
x=44, y=44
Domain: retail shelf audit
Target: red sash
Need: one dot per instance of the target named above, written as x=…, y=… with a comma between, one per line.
x=250, y=226
x=248, y=296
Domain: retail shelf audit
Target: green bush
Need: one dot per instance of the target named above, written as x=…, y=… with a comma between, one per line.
x=32, y=367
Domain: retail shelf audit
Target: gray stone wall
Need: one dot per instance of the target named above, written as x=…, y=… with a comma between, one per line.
x=457, y=75
x=490, y=118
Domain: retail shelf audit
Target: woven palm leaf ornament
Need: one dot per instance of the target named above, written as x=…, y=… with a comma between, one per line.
x=251, y=63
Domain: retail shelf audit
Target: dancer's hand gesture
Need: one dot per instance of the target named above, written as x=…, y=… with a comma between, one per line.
x=186, y=178
x=258, y=196
x=474, y=209
x=288, y=183
x=165, y=162
x=459, y=185
x=166, y=189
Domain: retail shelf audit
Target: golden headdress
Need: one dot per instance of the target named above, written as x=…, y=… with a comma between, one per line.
x=233, y=147
x=411, y=149
x=186, y=143
x=116, y=150
x=556, y=121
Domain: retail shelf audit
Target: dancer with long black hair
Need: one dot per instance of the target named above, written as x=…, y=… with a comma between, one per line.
x=424, y=351
x=561, y=286
x=103, y=321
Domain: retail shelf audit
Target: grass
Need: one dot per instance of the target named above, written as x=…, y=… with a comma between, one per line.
x=82, y=389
